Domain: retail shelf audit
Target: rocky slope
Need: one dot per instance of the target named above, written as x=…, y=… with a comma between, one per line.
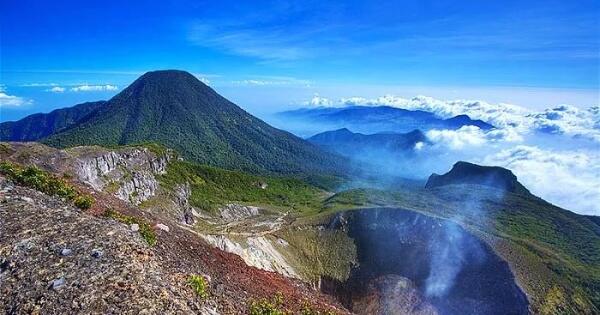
x=58, y=259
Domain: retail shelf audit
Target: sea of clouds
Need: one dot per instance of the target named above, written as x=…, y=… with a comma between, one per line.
x=555, y=152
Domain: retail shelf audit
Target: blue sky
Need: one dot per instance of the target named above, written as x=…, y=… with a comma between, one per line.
x=270, y=55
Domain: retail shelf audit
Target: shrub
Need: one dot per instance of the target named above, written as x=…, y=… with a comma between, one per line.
x=274, y=306
x=83, y=202
x=145, y=230
x=147, y=233
x=199, y=284
x=45, y=182
x=309, y=310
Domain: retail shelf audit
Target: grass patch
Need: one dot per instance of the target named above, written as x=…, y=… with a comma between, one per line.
x=34, y=177
x=199, y=285
x=273, y=306
x=145, y=230
x=212, y=188
x=112, y=187
x=315, y=253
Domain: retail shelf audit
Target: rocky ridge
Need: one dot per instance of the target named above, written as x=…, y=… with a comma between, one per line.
x=131, y=172
x=179, y=253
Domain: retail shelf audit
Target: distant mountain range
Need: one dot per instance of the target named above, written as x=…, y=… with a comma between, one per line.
x=348, y=143
x=175, y=109
x=372, y=119
x=38, y=126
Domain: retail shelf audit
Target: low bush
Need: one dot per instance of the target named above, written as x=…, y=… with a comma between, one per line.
x=145, y=230
x=34, y=177
x=273, y=306
x=83, y=202
x=199, y=285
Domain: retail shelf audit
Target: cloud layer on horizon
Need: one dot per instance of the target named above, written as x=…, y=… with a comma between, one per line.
x=563, y=119
x=530, y=143
x=94, y=88
x=568, y=179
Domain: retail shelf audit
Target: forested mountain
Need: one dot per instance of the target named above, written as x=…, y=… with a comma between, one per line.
x=37, y=126
x=175, y=109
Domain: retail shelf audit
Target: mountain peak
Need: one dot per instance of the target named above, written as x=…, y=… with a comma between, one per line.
x=469, y=173
x=168, y=74
x=173, y=79
x=175, y=109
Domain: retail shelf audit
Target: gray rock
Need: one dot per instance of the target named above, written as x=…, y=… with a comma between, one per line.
x=135, y=227
x=26, y=199
x=134, y=170
x=235, y=212
x=66, y=252
x=58, y=283
x=97, y=253
x=163, y=227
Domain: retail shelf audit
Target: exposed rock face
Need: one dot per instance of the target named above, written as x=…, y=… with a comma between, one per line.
x=235, y=212
x=257, y=252
x=182, y=196
x=131, y=172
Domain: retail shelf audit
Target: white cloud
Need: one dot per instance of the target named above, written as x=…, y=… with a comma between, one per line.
x=563, y=119
x=570, y=179
x=12, y=101
x=56, y=89
x=39, y=84
x=457, y=139
x=499, y=115
x=319, y=101
x=471, y=136
x=253, y=82
x=561, y=170
x=569, y=120
x=94, y=88
x=273, y=81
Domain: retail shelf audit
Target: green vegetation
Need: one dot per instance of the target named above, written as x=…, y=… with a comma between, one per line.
x=273, y=306
x=45, y=182
x=212, y=187
x=83, y=202
x=314, y=253
x=360, y=198
x=145, y=230
x=112, y=187
x=175, y=109
x=309, y=310
x=37, y=126
x=199, y=285
x=5, y=148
